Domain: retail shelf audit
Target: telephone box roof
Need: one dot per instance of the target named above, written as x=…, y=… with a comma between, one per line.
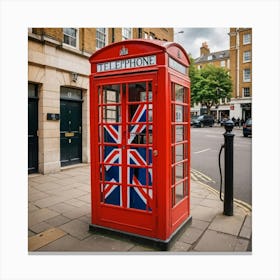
x=141, y=47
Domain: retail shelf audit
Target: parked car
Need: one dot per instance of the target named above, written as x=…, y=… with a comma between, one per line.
x=193, y=118
x=247, y=128
x=204, y=120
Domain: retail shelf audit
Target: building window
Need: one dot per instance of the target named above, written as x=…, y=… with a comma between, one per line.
x=140, y=35
x=70, y=37
x=209, y=57
x=246, y=39
x=223, y=63
x=246, y=92
x=100, y=38
x=246, y=75
x=126, y=33
x=146, y=36
x=246, y=56
x=152, y=36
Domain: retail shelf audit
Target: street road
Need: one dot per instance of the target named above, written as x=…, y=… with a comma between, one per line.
x=205, y=147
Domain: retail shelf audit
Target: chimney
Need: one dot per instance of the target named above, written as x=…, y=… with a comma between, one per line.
x=204, y=50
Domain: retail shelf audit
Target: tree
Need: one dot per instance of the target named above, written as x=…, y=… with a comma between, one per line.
x=209, y=85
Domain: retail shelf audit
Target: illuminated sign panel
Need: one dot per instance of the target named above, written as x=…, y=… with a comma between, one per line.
x=177, y=66
x=127, y=63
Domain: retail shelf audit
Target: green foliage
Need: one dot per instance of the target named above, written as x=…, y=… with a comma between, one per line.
x=209, y=85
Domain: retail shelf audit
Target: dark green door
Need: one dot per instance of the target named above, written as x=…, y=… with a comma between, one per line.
x=70, y=130
x=32, y=129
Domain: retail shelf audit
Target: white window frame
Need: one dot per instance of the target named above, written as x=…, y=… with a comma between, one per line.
x=223, y=63
x=247, y=75
x=98, y=30
x=247, y=39
x=77, y=38
x=246, y=56
x=247, y=90
x=126, y=33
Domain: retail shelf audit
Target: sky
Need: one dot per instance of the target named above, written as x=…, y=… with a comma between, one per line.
x=192, y=38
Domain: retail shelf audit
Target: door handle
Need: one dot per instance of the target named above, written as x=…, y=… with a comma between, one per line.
x=80, y=129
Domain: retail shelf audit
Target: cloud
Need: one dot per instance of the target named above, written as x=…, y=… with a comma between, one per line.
x=192, y=39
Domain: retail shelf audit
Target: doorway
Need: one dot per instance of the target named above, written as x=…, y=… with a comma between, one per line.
x=32, y=128
x=70, y=126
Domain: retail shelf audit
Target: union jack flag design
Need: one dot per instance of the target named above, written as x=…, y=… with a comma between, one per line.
x=139, y=196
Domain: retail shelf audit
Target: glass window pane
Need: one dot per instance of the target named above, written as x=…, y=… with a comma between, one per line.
x=70, y=93
x=111, y=193
x=137, y=113
x=111, y=113
x=112, y=134
x=180, y=171
x=111, y=94
x=180, y=93
x=137, y=92
x=140, y=198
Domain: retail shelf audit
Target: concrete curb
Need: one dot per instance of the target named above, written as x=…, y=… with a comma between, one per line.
x=245, y=206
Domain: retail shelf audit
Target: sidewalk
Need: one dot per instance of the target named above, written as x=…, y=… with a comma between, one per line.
x=59, y=218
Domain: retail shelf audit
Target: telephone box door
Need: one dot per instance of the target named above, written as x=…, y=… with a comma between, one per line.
x=126, y=118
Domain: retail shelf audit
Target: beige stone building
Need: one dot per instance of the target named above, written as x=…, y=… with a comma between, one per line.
x=58, y=90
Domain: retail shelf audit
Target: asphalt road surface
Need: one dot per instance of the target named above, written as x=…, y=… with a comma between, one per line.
x=205, y=147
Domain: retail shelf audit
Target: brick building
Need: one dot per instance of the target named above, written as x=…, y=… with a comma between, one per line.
x=238, y=59
x=241, y=71
x=58, y=90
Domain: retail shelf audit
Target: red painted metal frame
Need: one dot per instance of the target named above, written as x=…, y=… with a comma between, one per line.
x=165, y=217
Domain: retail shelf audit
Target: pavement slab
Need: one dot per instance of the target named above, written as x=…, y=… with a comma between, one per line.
x=213, y=241
x=246, y=230
x=77, y=229
x=39, y=240
x=204, y=213
x=99, y=243
x=191, y=235
x=227, y=224
x=40, y=215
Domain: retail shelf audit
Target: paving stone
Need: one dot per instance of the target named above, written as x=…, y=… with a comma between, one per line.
x=213, y=241
x=77, y=229
x=227, y=224
x=98, y=243
x=139, y=248
x=246, y=230
x=85, y=219
x=49, y=201
x=213, y=203
x=41, y=215
x=195, y=201
x=32, y=207
x=75, y=202
x=63, y=207
x=191, y=235
x=74, y=214
x=34, y=196
x=39, y=240
x=58, y=221
x=30, y=233
x=241, y=245
x=180, y=247
x=66, y=243
x=37, y=228
x=85, y=198
x=204, y=213
x=200, y=224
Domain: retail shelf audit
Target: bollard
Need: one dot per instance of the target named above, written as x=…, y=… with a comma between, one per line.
x=228, y=194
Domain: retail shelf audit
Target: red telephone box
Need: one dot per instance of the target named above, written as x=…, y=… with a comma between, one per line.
x=140, y=139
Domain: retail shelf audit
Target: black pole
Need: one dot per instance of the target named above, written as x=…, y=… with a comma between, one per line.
x=228, y=195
